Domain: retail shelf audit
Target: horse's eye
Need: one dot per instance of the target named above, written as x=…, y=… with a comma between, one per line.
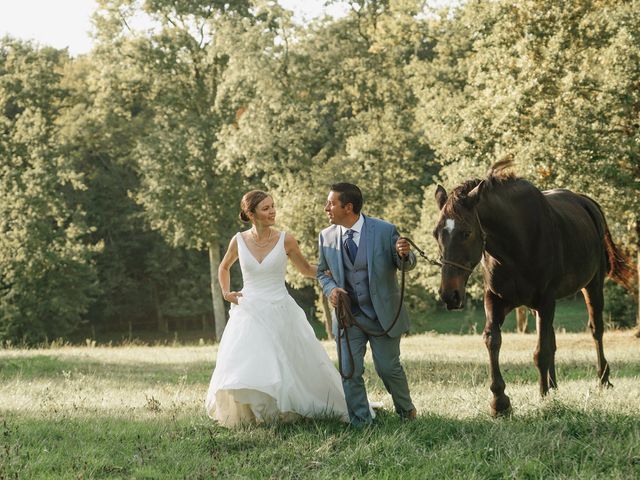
x=465, y=234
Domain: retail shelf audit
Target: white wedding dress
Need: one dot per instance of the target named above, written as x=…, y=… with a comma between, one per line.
x=270, y=366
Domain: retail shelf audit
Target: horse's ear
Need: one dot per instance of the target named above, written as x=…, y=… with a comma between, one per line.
x=441, y=196
x=473, y=197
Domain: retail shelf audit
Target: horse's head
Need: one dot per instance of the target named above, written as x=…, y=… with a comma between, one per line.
x=460, y=238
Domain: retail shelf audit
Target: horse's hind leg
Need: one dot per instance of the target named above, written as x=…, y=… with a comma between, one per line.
x=544, y=355
x=594, y=298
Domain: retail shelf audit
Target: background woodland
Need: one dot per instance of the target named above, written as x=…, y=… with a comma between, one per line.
x=121, y=170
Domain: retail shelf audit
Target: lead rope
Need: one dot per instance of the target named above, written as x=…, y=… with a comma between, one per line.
x=346, y=318
x=343, y=302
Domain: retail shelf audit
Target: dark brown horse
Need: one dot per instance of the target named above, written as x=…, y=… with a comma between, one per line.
x=535, y=247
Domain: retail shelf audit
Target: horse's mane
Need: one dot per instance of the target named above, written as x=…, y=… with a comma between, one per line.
x=500, y=173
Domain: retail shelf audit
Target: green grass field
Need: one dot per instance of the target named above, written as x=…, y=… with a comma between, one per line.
x=137, y=412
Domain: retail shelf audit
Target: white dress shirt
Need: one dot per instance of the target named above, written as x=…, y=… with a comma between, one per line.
x=357, y=228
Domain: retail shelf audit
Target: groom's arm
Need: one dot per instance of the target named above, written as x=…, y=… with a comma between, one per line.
x=411, y=261
x=326, y=281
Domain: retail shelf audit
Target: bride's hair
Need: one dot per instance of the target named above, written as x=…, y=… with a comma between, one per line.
x=249, y=202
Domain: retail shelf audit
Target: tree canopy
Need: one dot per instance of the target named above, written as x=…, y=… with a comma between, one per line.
x=123, y=168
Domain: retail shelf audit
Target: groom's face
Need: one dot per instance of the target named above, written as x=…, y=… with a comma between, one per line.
x=337, y=212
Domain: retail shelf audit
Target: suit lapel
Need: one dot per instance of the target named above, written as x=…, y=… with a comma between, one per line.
x=369, y=226
x=337, y=244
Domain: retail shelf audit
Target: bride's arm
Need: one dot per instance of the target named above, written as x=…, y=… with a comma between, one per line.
x=224, y=276
x=293, y=251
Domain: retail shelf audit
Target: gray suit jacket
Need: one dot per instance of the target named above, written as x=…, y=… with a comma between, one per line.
x=383, y=263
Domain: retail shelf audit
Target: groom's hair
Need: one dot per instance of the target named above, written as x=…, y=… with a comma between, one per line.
x=349, y=193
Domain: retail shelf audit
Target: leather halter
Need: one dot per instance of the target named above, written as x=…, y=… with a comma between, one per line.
x=444, y=261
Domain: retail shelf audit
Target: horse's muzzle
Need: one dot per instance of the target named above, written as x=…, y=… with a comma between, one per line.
x=453, y=299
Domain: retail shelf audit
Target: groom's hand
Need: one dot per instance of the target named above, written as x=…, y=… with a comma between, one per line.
x=333, y=296
x=403, y=247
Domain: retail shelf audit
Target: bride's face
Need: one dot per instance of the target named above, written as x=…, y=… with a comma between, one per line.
x=265, y=214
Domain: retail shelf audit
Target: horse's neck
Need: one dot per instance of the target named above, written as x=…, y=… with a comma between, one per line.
x=514, y=224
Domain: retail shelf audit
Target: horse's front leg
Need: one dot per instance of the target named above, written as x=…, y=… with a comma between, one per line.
x=544, y=356
x=495, y=310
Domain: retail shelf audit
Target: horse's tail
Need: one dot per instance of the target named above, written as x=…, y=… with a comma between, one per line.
x=620, y=269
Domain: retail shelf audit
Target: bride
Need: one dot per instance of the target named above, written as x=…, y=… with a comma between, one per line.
x=270, y=366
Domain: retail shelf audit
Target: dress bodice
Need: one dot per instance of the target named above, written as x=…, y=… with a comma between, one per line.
x=263, y=280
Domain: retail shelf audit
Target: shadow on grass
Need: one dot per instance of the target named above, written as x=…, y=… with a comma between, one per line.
x=45, y=366
x=472, y=373
x=555, y=441
x=419, y=371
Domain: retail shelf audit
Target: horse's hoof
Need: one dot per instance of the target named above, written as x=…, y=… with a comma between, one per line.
x=606, y=384
x=500, y=406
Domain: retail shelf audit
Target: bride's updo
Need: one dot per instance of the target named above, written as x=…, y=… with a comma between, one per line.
x=249, y=202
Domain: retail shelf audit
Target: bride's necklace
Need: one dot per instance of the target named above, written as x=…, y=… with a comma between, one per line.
x=254, y=239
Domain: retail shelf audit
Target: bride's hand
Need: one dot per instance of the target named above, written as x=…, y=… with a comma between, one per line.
x=232, y=296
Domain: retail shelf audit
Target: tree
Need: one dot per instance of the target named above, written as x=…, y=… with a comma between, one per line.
x=46, y=258
x=553, y=85
x=140, y=276
x=329, y=103
x=184, y=188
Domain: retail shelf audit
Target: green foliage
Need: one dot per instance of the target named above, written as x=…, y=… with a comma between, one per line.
x=620, y=308
x=119, y=167
x=329, y=103
x=552, y=85
x=183, y=187
x=140, y=277
x=48, y=279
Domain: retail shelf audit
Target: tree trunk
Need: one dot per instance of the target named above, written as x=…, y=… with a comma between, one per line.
x=216, y=294
x=163, y=324
x=522, y=318
x=638, y=280
x=638, y=276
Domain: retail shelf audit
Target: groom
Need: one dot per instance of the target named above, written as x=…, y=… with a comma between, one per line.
x=362, y=255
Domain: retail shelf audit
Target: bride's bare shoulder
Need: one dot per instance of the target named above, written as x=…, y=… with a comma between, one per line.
x=233, y=243
x=290, y=241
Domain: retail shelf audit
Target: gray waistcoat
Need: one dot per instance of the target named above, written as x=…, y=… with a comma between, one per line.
x=356, y=277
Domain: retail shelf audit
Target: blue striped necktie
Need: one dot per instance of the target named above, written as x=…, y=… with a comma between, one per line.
x=352, y=248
